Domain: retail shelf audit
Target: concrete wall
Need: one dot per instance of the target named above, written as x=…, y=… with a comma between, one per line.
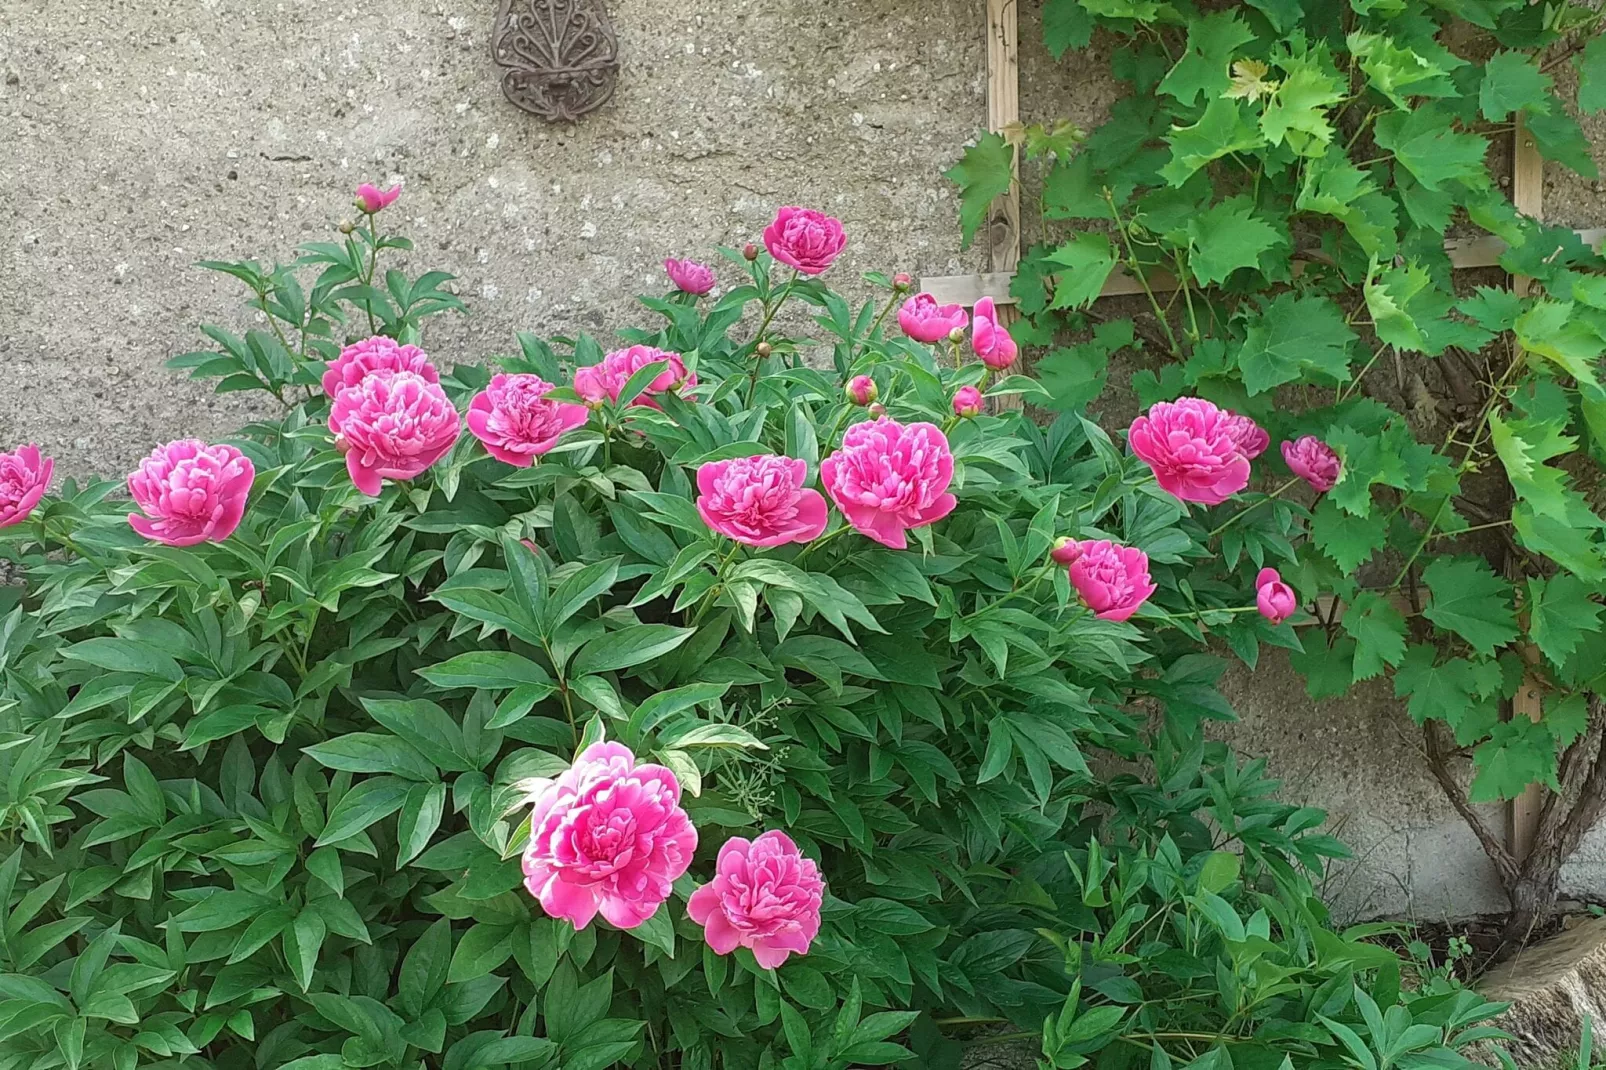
x=139, y=141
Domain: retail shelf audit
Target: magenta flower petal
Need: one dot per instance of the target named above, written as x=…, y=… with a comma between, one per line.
x=1314, y=461
x=990, y=339
x=190, y=493
x=375, y=356
x=516, y=423
x=392, y=426
x=606, y=379
x=765, y=896
x=888, y=477
x=760, y=501
x=926, y=321
x=690, y=276
x=1112, y=580
x=804, y=239
x=24, y=478
x=1195, y=450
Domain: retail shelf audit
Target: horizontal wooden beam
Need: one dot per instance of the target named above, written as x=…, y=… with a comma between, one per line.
x=966, y=290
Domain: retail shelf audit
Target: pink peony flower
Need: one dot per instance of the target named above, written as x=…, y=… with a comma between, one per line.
x=862, y=390
x=607, y=378
x=515, y=420
x=1193, y=448
x=608, y=835
x=888, y=477
x=392, y=427
x=190, y=492
x=1064, y=550
x=926, y=321
x=760, y=501
x=1314, y=461
x=765, y=896
x=1274, y=598
x=1112, y=580
x=967, y=402
x=24, y=478
x=805, y=239
x=989, y=339
x=1251, y=437
x=371, y=199
x=375, y=356
x=690, y=276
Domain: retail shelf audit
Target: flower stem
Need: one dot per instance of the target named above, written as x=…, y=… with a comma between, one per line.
x=373, y=264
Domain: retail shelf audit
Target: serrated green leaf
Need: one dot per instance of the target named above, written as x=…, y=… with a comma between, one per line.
x=1379, y=631
x=983, y=174
x=1088, y=260
x=1225, y=237
x=1471, y=601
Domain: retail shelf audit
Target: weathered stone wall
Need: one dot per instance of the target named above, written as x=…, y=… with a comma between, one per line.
x=139, y=140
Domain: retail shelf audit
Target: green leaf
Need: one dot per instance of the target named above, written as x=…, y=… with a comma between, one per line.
x=1298, y=110
x=1220, y=870
x=1065, y=26
x=1444, y=692
x=482, y=949
x=1204, y=69
x=1294, y=337
x=221, y=910
x=1400, y=73
x=1550, y=330
x=302, y=941
x=983, y=174
x=1561, y=612
x=1518, y=752
x=1424, y=142
x=1088, y=260
x=492, y=669
x=372, y=752
x=1591, y=64
x=1523, y=446
x=1512, y=82
x=1379, y=631
x=420, y=816
x=1224, y=128
x=124, y=655
x=629, y=647
x=1471, y=601
x=1558, y=137
x=1349, y=540
x=367, y=802
x=1228, y=236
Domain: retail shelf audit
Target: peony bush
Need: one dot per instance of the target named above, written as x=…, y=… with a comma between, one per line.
x=727, y=699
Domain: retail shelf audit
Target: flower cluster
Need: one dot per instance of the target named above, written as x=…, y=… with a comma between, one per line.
x=1201, y=453
x=610, y=837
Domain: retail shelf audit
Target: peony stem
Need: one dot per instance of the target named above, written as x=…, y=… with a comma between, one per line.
x=1253, y=505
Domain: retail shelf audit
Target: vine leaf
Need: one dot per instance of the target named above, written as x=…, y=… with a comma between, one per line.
x=1517, y=753
x=1471, y=601
x=1349, y=540
x=1088, y=260
x=1558, y=137
x=1224, y=128
x=1458, y=692
x=1591, y=64
x=1205, y=66
x=1423, y=141
x=983, y=174
x=1066, y=26
x=1295, y=336
x=1561, y=613
x=1550, y=330
x=1328, y=671
x=1523, y=446
x=1402, y=73
x=1379, y=631
x=1513, y=82
x=1298, y=110
x=1226, y=237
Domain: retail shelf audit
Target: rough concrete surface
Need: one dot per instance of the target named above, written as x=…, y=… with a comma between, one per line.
x=138, y=142
x=141, y=139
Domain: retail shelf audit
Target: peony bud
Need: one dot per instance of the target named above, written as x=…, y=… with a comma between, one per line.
x=877, y=410
x=862, y=390
x=956, y=335
x=902, y=282
x=346, y=226
x=763, y=350
x=967, y=402
x=750, y=252
x=1066, y=550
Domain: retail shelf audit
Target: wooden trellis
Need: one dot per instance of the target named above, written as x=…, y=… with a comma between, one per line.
x=1003, y=238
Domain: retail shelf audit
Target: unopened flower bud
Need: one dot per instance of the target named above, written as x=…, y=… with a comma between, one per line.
x=346, y=226
x=862, y=390
x=956, y=335
x=967, y=402
x=749, y=252
x=878, y=410
x=902, y=282
x=1065, y=550
x=763, y=350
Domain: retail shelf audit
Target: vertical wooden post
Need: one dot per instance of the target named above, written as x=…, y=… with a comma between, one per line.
x=1527, y=194
x=1003, y=110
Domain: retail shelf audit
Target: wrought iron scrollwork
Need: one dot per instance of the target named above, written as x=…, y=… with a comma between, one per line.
x=559, y=58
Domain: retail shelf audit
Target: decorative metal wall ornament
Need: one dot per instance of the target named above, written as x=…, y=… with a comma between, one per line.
x=559, y=58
